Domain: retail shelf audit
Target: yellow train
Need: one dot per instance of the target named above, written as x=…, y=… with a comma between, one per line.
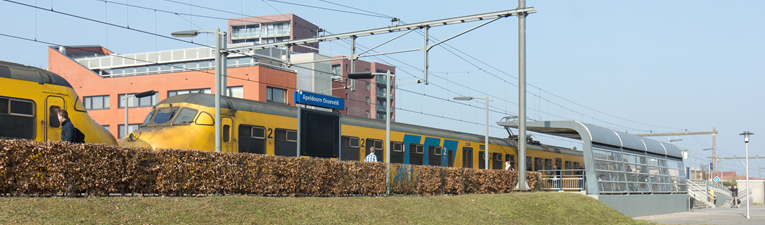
x=186, y=122
x=29, y=98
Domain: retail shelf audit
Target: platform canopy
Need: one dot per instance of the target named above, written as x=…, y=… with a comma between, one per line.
x=600, y=135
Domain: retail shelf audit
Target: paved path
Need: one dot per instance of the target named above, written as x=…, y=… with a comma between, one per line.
x=712, y=216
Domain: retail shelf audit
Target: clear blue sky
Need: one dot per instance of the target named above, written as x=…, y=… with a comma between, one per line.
x=636, y=66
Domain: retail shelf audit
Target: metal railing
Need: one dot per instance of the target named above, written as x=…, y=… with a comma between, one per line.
x=562, y=180
x=699, y=193
x=719, y=188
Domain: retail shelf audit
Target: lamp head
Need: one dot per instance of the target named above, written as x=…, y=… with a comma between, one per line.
x=185, y=33
x=361, y=75
x=746, y=136
x=145, y=93
x=464, y=98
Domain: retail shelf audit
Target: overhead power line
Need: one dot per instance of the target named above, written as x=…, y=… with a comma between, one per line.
x=102, y=22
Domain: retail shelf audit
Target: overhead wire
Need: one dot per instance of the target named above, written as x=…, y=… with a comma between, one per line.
x=102, y=22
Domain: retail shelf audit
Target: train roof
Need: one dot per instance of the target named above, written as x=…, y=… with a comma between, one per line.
x=29, y=73
x=208, y=100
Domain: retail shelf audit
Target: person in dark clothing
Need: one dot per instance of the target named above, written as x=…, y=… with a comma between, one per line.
x=734, y=194
x=67, y=128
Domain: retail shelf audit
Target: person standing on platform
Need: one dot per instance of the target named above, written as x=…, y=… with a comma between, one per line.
x=67, y=128
x=734, y=194
x=371, y=157
x=509, y=166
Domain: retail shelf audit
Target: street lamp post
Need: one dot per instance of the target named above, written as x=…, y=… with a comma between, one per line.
x=125, y=100
x=388, y=75
x=219, y=59
x=746, y=140
x=486, y=137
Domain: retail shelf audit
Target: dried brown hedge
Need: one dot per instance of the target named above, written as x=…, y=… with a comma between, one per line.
x=59, y=168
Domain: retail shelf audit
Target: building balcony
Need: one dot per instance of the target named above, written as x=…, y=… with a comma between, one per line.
x=259, y=34
x=381, y=94
x=381, y=108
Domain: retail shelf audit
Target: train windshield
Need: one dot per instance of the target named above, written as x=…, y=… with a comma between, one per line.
x=186, y=116
x=163, y=115
x=148, y=118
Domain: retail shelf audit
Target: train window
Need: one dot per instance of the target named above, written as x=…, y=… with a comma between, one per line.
x=481, y=155
x=22, y=108
x=568, y=165
x=538, y=164
x=292, y=135
x=163, y=115
x=185, y=116
x=576, y=165
x=548, y=164
x=259, y=132
x=419, y=149
x=559, y=163
x=435, y=150
x=398, y=147
x=53, y=118
x=497, y=157
x=204, y=118
x=18, y=116
x=529, y=163
x=378, y=145
x=353, y=142
x=510, y=158
x=482, y=147
x=226, y=133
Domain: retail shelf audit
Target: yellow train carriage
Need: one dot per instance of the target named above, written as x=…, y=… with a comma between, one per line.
x=185, y=121
x=29, y=100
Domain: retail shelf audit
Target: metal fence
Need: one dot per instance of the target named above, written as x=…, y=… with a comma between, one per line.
x=562, y=180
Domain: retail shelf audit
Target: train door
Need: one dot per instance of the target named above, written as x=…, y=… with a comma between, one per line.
x=228, y=140
x=53, y=128
x=467, y=157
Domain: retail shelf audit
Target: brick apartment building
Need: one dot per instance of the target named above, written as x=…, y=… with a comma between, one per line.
x=363, y=98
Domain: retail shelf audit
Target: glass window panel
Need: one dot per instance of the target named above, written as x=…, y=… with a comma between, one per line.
x=191, y=65
x=633, y=187
x=606, y=186
x=205, y=64
x=153, y=68
x=245, y=60
x=632, y=177
x=165, y=67
x=621, y=187
x=603, y=176
x=88, y=104
x=643, y=178
x=141, y=69
x=231, y=61
x=98, y=102
x=186, y=116
x=164, y=114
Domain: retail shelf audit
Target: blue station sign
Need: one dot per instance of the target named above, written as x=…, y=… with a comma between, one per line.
x=326, y=101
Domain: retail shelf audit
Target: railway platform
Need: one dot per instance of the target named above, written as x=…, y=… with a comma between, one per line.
x=712, y=216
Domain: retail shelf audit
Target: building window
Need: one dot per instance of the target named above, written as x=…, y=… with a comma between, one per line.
x=367, y=114
x=236, y=92
x=180, y=92
x=353, y=84
x=367, y=86
x=367, y=101
x=106, y=127
x=276, y=95
x=147, y=101
x=96, y=102
x=131, y=128
x=336, y=70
